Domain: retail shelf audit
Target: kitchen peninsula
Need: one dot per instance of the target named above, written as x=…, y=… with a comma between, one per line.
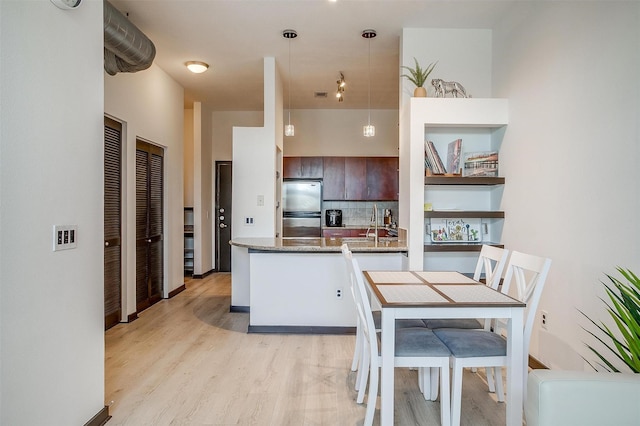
x=299, y=285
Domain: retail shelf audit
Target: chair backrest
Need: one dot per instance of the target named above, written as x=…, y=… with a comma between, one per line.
x=363, y=306
x=492, y=260
x=530, y=273
x=346, y=254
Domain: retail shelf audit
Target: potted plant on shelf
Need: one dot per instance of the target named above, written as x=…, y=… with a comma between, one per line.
x=624, y=309
x=418, y=76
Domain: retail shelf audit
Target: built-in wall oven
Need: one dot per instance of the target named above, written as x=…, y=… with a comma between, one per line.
x=301, y=208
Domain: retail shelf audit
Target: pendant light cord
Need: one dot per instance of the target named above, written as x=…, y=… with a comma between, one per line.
x=289, y=90
x=369, y=84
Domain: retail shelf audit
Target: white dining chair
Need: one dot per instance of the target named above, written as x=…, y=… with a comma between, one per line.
x=358, y=353
x=482, y=348
x=414, y=347
x=491, y=261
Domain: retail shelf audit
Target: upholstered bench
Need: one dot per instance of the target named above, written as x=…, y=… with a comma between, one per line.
x=566, y=398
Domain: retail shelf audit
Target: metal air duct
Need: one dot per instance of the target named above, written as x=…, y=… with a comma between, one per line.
x=126, y=48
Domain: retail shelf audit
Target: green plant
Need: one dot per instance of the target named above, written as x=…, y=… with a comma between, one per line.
x=624, y=308
x=418, y=75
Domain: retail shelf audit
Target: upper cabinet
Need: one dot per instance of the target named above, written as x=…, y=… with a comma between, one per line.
x=382, y=178
x=302, y=167
x=360, y=178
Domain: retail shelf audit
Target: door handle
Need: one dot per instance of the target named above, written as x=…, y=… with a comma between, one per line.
x=222, y=225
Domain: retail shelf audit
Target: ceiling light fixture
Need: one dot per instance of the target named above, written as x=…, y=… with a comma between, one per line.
x=341, y=86
x=289, y=130
x=197, y=67
x=369, y=130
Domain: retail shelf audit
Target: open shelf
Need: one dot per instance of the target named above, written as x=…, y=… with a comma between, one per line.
x=458, y=180
x=455, y=247
x=461, y=214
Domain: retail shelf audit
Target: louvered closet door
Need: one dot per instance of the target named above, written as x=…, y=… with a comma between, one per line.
x=149, y=218
x=112, y=222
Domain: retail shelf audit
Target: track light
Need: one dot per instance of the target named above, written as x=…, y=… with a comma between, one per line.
x=341, y=86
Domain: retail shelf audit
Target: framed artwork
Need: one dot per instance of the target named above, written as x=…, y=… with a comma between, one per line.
x=481, y=164
x=455, y=230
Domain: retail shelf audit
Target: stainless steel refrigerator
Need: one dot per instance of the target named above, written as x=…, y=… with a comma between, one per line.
x=302, y=208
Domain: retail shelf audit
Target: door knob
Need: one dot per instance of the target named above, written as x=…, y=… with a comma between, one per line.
x=222, y=225
x=221, y=210
x=106, y=243
x=149, y=240
x=221, y=218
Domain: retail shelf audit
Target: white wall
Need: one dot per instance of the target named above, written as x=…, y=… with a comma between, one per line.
x=253, y=175
x=152, y=106
x=223, y=123
x=51, y=172
x=325, y=132
x=463, y=55
x=187, y=160
x=202, y=189
x=571, y=151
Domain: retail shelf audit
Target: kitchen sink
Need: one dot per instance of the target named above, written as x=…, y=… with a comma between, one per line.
x=365, y=239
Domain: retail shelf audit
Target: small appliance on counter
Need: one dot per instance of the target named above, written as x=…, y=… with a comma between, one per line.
x=333, y=217
x=387, y=217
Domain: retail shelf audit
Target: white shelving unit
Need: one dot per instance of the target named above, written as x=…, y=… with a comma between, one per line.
x=481, y=124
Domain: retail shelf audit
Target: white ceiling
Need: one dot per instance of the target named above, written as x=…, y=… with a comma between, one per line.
x=233, y=37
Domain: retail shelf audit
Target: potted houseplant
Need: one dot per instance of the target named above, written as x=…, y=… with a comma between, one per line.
x=623, y=306
x=418, y=76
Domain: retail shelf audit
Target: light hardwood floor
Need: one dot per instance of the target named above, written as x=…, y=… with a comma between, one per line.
x=189, y=361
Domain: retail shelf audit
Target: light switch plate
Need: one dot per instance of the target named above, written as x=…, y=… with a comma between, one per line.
x=65, y=237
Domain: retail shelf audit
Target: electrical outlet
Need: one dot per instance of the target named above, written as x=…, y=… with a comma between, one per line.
x=338, y=293
x=545, y=319
x=248, y=221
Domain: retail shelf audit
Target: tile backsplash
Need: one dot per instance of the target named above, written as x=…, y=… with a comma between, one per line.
x=358, y=213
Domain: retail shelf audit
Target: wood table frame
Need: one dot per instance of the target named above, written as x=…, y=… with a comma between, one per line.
x=512, y=310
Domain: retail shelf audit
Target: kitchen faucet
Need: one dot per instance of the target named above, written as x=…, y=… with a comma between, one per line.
x=374, y=219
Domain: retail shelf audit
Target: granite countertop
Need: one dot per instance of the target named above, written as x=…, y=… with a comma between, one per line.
x=321, y=245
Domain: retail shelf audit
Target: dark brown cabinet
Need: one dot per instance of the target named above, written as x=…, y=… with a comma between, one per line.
x=333, y=181
x=302, y=167
x=355, y=178
x=382, y=178
x=360, y=178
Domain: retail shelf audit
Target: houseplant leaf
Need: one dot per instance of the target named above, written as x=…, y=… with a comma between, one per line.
x=623, y=306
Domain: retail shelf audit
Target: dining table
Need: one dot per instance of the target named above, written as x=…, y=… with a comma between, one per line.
x=445, y=294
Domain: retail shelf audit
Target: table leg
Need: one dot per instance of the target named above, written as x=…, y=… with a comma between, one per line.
x=387, y=367
x=515, y=368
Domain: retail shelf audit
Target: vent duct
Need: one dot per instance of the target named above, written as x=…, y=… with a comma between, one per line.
x=126, y=48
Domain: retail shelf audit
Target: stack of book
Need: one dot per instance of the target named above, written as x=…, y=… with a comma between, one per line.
x=432, y=160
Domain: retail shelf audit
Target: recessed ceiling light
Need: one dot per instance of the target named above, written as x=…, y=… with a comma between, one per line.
x=197, y=67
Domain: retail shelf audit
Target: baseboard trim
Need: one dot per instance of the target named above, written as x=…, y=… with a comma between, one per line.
x=132, y=317
x=243, y=309
x=296, y=329
x=206, y=274
x=99, y=419
x=177, y=291
x=536, y=365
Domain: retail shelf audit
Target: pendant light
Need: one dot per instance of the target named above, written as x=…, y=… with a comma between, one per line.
x=369, y=130
x=289, y=130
